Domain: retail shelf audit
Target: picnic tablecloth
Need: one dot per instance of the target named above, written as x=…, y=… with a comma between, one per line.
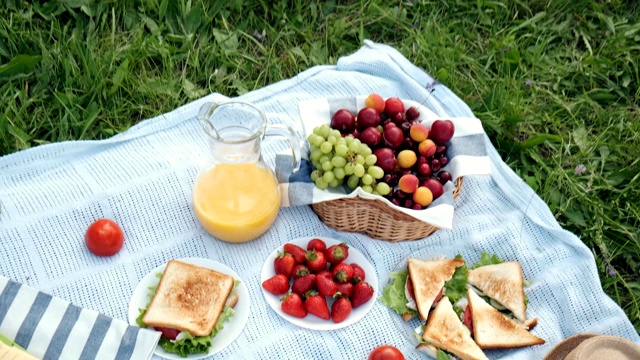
x=143, y=179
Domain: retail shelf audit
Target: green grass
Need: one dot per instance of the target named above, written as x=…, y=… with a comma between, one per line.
x=556, y=83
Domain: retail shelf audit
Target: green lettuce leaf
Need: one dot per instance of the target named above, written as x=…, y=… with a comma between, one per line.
x=419, y=336
x=188, y=345
x=486, y=259
x=139, y=318
x=456, y=287
x=227, y=313
x=196, y=344
x=393, y=294
x=442, y=355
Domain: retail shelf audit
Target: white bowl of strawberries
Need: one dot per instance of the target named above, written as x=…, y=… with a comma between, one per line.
x=319, y=283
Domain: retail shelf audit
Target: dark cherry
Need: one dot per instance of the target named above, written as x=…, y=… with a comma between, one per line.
x=399, y=118
x=407, y=144
x=390, y=179
x=435, y=165
x=412, y=113
x=405, y=127
x=444, y=176
x=423, y=168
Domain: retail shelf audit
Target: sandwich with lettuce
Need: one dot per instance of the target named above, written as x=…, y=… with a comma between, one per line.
x=189, y=306
x=447, y=296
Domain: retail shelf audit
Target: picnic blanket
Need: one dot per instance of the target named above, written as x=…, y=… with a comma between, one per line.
x=143, y=179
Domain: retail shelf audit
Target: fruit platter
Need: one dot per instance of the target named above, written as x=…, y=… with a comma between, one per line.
x=319, y=283
x=395, y=155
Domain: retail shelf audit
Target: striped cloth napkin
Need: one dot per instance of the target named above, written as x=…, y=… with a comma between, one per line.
x=51, y=328
x=466, y=151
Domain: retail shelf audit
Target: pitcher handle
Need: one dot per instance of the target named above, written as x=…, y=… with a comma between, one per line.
x=203, y=117
x=288, y=133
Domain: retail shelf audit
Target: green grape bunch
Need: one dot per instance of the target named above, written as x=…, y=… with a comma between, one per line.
x=337, y=159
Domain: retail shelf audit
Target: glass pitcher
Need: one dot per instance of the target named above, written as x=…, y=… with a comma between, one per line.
x=236, y=195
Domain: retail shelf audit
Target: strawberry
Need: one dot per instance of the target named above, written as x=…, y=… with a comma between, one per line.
x=277, y=284
x=316, y=261
x=337, y=253
x=345, y=249
x=358, y=273
x=292, y=305
x=326, y=286
x=316, y=304
x=300, y=270
x=340, y=309
x=297, y=252
x=342, y=273
x=325, y=273
x=362, y=292
x=317, y=245
x=303, y=284
x=345, y=288
x=284, y=264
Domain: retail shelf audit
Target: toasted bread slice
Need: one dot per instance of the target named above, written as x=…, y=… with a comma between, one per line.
x=188, y=298
x=445, y=331
x=428, y=278
x=503, y=283
x=493, y=330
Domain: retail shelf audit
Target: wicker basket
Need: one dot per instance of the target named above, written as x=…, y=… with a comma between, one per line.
x=375, y=218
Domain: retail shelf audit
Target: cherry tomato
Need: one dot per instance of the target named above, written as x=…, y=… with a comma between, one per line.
x=386, y=352
x=170, y=334
x=104, y=237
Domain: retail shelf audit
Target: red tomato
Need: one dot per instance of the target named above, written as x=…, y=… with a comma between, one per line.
x=104, y=237
x=438, y=297
x=410, y=288
x=170, y=334
x=466, y=318
x=386, y=352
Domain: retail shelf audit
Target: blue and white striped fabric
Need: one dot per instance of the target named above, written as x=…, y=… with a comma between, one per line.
x=51, y=328
x=466, y=151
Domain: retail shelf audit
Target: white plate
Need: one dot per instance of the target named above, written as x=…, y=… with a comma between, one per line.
x=231, y=329
x=310, y=321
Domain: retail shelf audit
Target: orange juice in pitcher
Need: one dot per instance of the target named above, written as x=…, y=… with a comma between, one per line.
x=236, y=196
